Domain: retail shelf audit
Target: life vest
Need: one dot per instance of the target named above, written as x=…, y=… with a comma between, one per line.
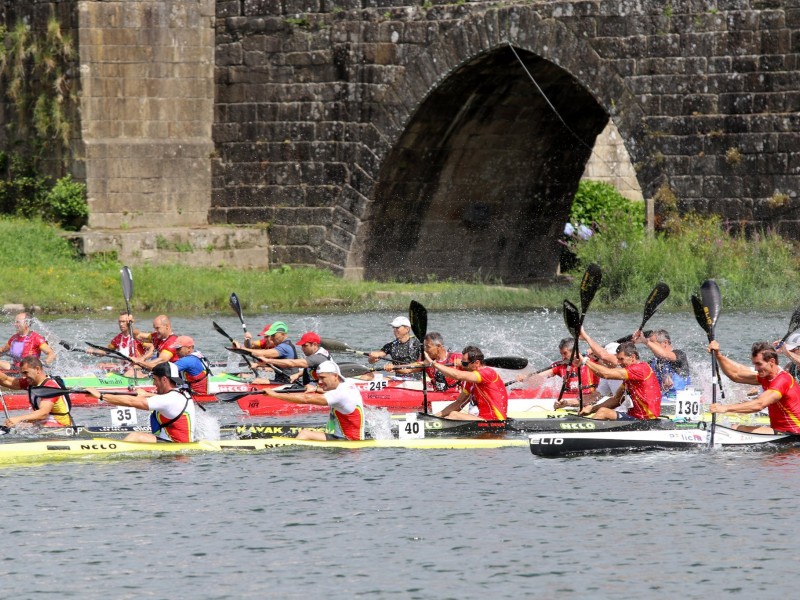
x=179, y=428
x=62, y=406
x=198, y=383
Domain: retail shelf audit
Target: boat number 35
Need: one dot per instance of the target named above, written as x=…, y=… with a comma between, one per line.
x=375, y=386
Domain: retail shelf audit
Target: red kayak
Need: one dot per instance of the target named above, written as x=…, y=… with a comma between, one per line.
x=394, y=399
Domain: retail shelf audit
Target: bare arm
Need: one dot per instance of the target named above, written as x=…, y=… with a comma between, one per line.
x=766, y=398
x=733, y=370
x=607, y=372
x=49, y=353
x=597, y=349
x=458, y=374
x=298, y=398
x=45, y=406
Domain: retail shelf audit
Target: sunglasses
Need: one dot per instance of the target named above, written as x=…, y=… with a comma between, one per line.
x=466, y=363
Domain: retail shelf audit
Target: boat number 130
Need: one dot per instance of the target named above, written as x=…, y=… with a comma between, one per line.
x=687, y=408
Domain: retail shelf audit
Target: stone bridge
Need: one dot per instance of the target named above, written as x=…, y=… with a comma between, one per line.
x=383, y=138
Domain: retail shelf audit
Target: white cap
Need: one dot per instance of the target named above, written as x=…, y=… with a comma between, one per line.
x=793, y=341
x=611, y=348
x=401, y=322
x=329, y=367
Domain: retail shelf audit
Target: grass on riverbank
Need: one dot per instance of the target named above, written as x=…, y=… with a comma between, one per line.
x=40, y=268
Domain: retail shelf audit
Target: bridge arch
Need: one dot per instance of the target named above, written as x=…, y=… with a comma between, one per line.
x=480, y=178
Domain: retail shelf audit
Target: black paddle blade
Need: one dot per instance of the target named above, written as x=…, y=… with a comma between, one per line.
x=127, y=286
x=712, y=300
x=418, y=315
x=237, y=308
x=353, y=369
x=221, y=331
x=233, y=396
x=67, y=345
x=44, y=392
x=334, y=345
x=794, y=324
x=506, y=362
x=572, y=318
x=702, y=317
x=589, y=285
x=654, y=300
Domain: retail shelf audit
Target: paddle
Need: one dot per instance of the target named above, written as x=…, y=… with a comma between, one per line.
x=572, y=319
x=248, y=353
x=355, y=370
x=657, y=296
x=247, y=357
x=71, y=347
x=710, y=303
x=293, y=388
x=506, y=362
x=126, y=278
x=237, y=308
x=418, y=315
x=337, y=346
x=589, y=286
x=794, y=325
x=46, y=392
x=109, y=351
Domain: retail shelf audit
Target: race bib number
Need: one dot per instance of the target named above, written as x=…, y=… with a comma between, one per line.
x=688, y=405
x=411, y=429
x=123, y=416
x=376, y=386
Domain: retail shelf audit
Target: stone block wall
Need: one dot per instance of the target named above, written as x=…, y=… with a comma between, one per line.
x=147, y=108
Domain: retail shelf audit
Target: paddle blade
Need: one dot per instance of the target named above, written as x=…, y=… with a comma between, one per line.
x=237, y=308
x=127, y=285
x=702, y=317
x=794, y=324
x=589, y=285
x=44, y=392
x=712, y=300
x=353, y=369
x=67, y=345
x=221, y=331
x=654, y=300
x=506, y=362
x=572, y=318
x=418, y=315
x=233, y=396
x=334, y=345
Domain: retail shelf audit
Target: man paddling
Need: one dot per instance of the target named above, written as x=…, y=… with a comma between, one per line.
x=638, y=380
x=568, y=372
x=173, y=411
x=282, y=347
x=482, y=385
x=346, y=418
x=670, y=365
x=26, y=342
x=192, y=365
x=125, y=344
x=780, y=395
x=404, y=349
x=50, y=412
x=313, y=356
x=162, y=338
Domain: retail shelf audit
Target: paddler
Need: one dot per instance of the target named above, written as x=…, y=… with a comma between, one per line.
x=638, y=380
x=435, y=350
x=50, y=412
x=313, y=356
x=346, y=419
x=192, y=365
x=282, y=347
x=482, y=386
x=568, y=372
x=173, y=412
x=162, y=338
x=780, y=395
x=25, y=342
x=403, y=349
x=670, y=365
x=124, y=343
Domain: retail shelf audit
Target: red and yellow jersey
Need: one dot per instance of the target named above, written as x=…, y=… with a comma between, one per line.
x=784, y=415
x=589, y=379
x=490, y=395
x=59, y=414
x=164, y=345
x=644, y=390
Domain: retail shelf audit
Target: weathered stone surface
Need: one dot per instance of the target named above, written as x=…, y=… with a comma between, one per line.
x=363, y=127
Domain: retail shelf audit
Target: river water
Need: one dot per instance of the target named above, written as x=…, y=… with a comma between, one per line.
x=403, y=523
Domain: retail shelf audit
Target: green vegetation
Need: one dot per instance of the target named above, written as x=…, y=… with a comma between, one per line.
x=597, y=202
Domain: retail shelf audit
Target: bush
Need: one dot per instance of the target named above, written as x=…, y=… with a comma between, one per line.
x=65, y=204
x=596, y=202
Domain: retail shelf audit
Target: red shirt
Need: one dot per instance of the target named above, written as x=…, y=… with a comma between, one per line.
x=589, y=378
x=490, y=394
x=122, y=344
x=784, y=415
x=440, y=382
x=644, y=390
x=20, y=346
x=164, y=345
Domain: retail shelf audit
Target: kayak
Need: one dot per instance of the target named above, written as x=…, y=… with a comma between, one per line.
x=400, y=398
x=76, y=448
x=553, y=445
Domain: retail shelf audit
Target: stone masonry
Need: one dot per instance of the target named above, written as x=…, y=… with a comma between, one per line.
x=381, y=138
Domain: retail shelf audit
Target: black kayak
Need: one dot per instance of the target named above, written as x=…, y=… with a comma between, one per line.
x=557, y=444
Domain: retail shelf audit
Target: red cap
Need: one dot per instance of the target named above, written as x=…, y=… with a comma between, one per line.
x=266, y=329
x=182, y=341
x=309, y=337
